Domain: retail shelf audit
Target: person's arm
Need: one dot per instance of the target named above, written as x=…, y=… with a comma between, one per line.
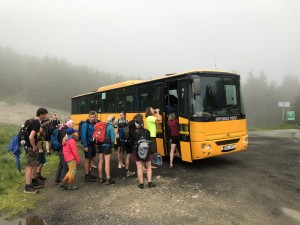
x=158, y=116
x=112, y=136
x=32, y=140
x=75, y=151
x=83, y=135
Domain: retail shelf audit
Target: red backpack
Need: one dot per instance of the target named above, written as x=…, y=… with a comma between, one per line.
x=99, y=132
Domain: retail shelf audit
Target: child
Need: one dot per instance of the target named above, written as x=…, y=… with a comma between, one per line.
x=72, y=158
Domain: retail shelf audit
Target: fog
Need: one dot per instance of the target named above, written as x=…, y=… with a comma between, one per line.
x=152, y=38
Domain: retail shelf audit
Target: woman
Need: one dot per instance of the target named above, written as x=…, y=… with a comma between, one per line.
x=137, y=135
x=122, y=143
x=105, y=150
x=174, y=135
x=151, y=120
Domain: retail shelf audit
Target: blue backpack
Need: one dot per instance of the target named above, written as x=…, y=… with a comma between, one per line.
x=55, y=144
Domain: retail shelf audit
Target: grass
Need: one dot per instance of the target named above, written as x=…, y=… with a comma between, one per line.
x=13, y=200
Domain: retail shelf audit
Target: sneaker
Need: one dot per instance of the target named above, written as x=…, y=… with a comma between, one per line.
x=37, y=184
x=88, y=178
x=72, y=188
x=141, y=186
x=41, y=181
x=109, y=181
x=129, y=173
x=102, y=180
x=151, y=185
x=30, y=190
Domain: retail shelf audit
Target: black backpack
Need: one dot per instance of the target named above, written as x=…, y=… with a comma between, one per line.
x=24, y=134
x=79, y=129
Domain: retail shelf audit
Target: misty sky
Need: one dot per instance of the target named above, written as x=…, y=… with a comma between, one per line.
x=152, y=38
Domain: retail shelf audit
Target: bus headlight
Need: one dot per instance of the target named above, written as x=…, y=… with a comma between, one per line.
x=203, y=146
x=245, y=141
x=208, y=147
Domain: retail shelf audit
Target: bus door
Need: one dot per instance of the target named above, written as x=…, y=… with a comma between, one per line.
x=160, y=130
x=170, y=105
x=183, y=117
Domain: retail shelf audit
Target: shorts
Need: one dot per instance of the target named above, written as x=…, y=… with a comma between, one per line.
x=31, y=157
x=106, y=150
x=121, y=142
x=153, y=145
x=126, y=148
x=91, y=152
x=136, y=158
x=41, y=157
x=174, y=140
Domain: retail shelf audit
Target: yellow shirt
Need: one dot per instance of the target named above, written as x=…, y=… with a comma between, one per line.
x=151, y=126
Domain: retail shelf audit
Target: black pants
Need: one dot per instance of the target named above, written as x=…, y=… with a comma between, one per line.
x=62, y=168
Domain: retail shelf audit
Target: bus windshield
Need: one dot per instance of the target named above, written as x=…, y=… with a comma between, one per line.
x=217, y=97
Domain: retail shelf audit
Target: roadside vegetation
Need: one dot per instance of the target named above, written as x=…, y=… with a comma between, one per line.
x=13, y=200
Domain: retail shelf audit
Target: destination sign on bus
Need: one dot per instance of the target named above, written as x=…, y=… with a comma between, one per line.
x=225, y=118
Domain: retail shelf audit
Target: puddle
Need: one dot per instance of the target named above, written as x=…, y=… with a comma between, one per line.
x=30, y=220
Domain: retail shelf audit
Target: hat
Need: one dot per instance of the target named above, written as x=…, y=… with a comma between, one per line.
x=69, y=122
x=71, y=131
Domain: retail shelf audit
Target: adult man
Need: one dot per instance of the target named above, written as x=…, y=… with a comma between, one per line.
x=89, y=145
x=32, y=153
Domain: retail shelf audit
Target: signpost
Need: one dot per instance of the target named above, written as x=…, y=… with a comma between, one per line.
x=290, y=116
x=284, y=105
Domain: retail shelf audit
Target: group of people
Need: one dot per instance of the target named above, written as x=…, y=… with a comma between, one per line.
x=69, y=157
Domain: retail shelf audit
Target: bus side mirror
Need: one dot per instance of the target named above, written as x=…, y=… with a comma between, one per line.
x=196, y=86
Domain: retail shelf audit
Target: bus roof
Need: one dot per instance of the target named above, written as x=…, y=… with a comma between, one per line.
x=132, y=82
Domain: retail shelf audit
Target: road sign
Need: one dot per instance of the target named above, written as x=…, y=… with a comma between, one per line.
x=290, y=115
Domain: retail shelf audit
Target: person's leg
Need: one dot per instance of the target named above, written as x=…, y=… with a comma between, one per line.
x=72, y=171
x=93, y=165
x=28, y=175
x=48, y=147
x=149, y=174
x=59, y=168
x=139, y=170
x=107, y=165
x=100, y=167
x=42, y=161
x=120, y=157
x=173, y=146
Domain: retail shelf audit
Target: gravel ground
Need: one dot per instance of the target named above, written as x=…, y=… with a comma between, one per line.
x=258, y=186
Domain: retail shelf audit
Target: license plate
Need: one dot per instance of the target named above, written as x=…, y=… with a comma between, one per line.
x=228, y=147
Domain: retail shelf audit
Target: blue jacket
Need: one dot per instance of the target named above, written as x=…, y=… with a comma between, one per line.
x=110, y=132
x=87, y=131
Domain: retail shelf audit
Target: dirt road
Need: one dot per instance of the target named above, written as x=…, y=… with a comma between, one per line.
x=258, y=186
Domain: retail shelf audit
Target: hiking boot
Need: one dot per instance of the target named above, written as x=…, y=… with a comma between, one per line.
x=92, y=176
x=102, y=180
x=37, y=184
x=72, y=188
x=41, y=181
x=151, y=185
x=129, y=173
x=88, y=178
x=30, y=190
x=109, y=181
x=41, y=177
x=63, y=185
x=141, y=186
x=57, y=182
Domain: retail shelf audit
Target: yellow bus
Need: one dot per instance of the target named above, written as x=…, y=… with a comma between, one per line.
x=208, y=104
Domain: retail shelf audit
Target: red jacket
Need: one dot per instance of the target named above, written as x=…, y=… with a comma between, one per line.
x=70, y=151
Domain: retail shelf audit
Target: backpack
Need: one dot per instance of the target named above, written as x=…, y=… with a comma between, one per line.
x=99, y=134
x=123, y=130
x=15, y=145
x=55, y=144
x=143, y=148
x=143, y=145
x=24, y=134
x=79, y=129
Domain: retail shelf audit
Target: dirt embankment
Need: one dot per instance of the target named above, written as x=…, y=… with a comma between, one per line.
x=19, y=112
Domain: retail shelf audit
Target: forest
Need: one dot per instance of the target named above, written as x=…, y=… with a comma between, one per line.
x=52, y=82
